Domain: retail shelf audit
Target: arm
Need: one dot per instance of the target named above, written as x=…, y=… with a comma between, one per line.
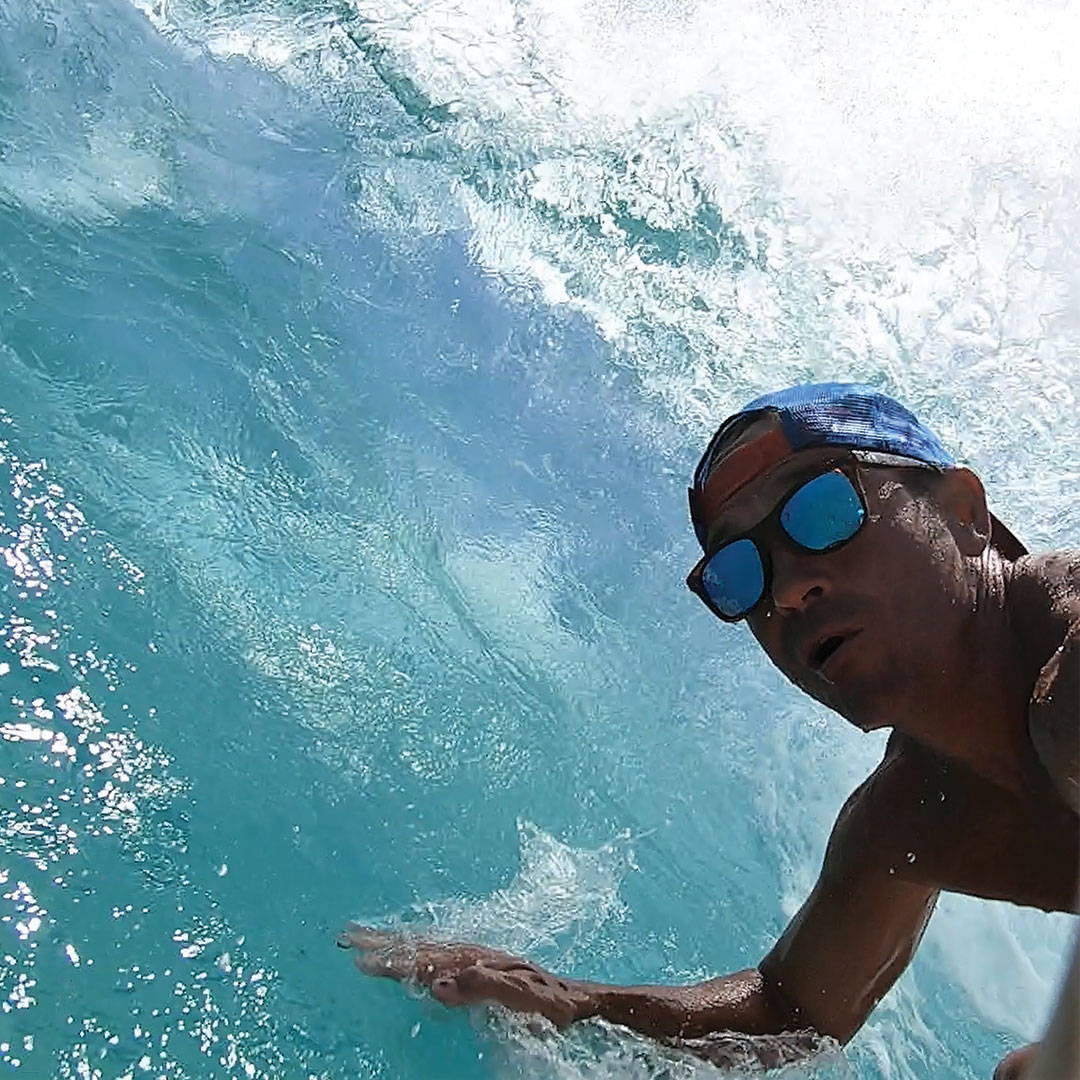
x=837, y=958
x=843, y=950
x=745, y=1002
x=1054, y=718
x=1054, y=722
x=862, y=923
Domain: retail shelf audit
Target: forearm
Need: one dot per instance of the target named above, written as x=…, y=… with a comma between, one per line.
x=744, y=1002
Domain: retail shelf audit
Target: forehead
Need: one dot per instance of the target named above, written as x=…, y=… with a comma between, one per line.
x=760, y=494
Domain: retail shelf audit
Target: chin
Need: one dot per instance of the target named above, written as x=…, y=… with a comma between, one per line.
x=863, y=715
x=869, y=725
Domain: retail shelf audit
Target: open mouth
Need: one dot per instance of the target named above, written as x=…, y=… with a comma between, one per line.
x=827, y=648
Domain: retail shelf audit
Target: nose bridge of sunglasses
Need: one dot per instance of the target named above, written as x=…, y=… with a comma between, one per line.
x=821, y=513
x=794, y=571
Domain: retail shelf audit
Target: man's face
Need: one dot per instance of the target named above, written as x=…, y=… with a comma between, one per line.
x=870, y=626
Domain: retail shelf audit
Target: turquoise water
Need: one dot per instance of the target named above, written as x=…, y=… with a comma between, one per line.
x=352, y=364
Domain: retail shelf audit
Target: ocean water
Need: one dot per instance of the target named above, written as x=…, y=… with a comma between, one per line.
x=353, y=359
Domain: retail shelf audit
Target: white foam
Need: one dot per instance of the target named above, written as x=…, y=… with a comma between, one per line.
x=558, y=891
x=744, y=197
x=763, y=194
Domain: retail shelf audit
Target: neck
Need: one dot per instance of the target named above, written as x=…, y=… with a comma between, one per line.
x=979, y=715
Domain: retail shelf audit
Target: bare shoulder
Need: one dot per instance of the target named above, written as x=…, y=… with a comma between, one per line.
x=1047, y=592
x=922, y=819
x=1054, y=717
x=1053, y=577
x=886, y=812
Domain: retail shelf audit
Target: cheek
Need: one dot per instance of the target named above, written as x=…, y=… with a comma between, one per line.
x=917, y=582
x=764, y=627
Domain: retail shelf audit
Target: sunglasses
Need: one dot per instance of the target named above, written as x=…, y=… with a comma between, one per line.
x=819, y=515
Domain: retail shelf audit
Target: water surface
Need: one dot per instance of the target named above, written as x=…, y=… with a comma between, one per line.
x=353, y=360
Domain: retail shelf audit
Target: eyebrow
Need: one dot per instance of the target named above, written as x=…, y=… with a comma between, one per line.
x=796, y=479
x=717, y=535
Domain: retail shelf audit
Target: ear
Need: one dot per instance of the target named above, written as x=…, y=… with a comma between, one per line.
x=961, y=498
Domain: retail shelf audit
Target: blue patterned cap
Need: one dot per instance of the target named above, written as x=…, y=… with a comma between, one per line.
x=850, y=415
x=837, y=414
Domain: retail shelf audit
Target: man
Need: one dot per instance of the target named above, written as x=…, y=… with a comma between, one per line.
x=868, y=567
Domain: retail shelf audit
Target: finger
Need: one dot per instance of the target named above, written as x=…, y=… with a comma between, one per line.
x=384, y=953
x=500, y=961
x=435, y=959
x=355, y=936
x=470, y=986
x=380, y=952
x=433, y=962
x=400, y=958
x=389, y=962
x=445, y=989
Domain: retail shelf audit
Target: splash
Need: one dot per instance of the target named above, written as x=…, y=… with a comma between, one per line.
x=742, y=198
x=560, y=896
x=381, y=338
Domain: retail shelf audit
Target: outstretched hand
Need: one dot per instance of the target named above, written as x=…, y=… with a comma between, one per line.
x=459, y=974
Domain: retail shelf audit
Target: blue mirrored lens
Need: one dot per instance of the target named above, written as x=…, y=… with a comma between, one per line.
x=734, y=578
x=824, y=512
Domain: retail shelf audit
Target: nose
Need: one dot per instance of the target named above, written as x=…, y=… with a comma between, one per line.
x=798, y=580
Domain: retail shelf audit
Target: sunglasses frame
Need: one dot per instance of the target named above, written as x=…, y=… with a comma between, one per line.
x=695, y=580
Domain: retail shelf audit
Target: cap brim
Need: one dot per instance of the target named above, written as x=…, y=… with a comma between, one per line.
x=1002, y=538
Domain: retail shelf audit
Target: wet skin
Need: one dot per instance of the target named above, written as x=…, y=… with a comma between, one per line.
x=918, y=624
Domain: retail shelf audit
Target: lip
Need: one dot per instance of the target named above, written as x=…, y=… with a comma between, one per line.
x=826, y=649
